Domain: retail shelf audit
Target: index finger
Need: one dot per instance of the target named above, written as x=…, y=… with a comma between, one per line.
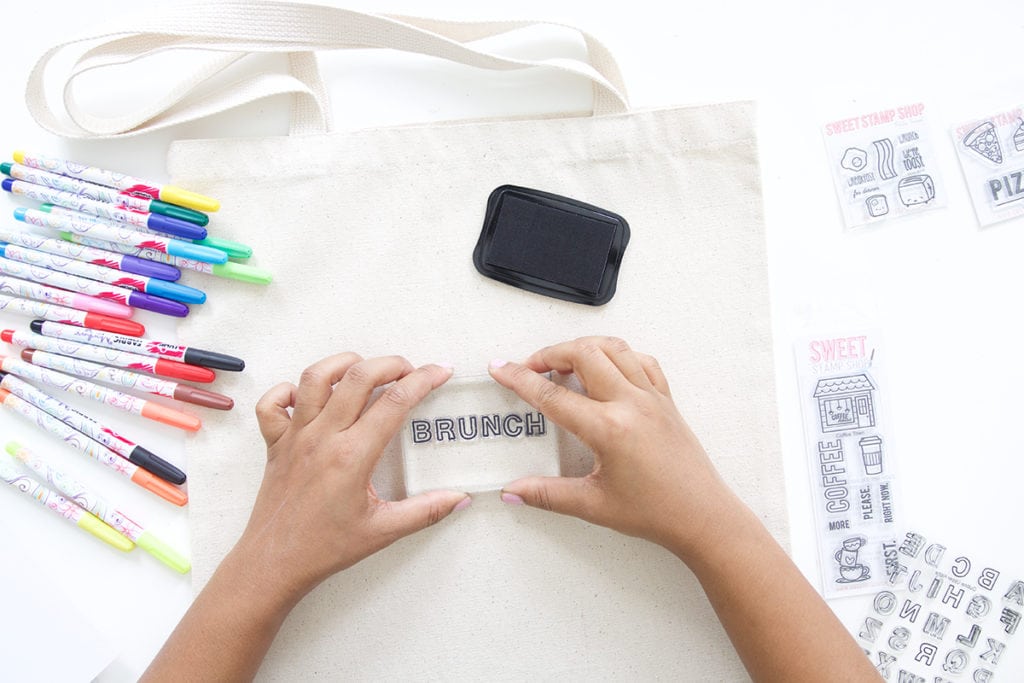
x=385, y=416
x=566, y=408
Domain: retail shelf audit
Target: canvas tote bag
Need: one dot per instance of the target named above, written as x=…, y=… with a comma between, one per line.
x=370, y=235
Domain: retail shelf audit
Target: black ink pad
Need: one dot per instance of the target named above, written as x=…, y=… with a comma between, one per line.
x=551, y=245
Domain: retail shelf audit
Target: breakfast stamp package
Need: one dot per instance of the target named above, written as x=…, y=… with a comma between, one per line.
x=883, y=165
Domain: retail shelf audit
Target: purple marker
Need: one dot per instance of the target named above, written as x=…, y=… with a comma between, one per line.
x=97, y=257
x=152, y=221
x=81, y=285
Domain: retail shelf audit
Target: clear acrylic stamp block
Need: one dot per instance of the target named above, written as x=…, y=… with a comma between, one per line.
x=472, y=434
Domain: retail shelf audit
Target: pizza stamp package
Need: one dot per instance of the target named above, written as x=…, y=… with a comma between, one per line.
x=883, y=165
x=850, y=459
x=945, y=615
x=991, y=152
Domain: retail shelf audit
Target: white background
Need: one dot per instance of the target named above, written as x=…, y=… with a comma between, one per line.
x=944, y=292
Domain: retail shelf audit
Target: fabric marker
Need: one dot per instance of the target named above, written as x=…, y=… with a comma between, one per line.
x=87, y=446
x=70, y=316
x=127, y=379
x=141, y=283
x=149, y=347
x=81, y=495
x=62, y=506
x=60, y=297
x=231, y=270
x=150, y=221
x=111, y=397
x=130, y=451
x=233, y=249
x=126, y=183
x=97, y=257
x=121, y=359
x=99, y=193
x=81, y=285
x=55, y=218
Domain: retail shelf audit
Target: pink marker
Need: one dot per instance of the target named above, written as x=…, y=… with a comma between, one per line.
x=61, y=297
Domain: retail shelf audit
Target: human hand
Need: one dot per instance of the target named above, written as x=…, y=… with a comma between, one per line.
x=317, y=512
x=651, y=476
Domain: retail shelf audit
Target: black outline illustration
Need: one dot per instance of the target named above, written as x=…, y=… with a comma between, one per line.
x=854, y=159
x=871, y=454
x=848, y=557
x=984, y=141
x=916, y=189
x=886, y=155
x=845, y=403
x=877, y=205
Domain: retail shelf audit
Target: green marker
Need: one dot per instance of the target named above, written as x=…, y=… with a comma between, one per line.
x=235, y=250
x=119, y=523
x=234, y=271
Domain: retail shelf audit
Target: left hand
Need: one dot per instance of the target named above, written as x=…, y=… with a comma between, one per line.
x=317, y=512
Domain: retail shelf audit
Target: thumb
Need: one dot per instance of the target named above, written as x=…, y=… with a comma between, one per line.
x=564, y=495
x=403, y=517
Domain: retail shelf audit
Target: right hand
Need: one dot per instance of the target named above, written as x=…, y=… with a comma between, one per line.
x=651, y=476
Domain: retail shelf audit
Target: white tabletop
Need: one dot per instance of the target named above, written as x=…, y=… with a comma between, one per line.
x=942, y=290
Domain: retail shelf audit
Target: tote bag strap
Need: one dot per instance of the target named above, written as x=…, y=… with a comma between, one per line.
x=225, y=32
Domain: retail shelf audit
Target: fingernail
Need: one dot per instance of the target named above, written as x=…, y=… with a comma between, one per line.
x=497, y=363
x=511, y=499
x=463, y=504
x=447, y=366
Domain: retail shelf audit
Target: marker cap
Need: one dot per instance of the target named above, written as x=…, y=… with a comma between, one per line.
x=164, y=489
x=98, y=528
x=173, y=226
x=179, y=212
x=185, y=371
x=202, y=397
x=193, y=200
x=244, y=273
x=212, y=359
x=158, y=304
x=7, y=184
x=170, y=416
x=141, y=266
x=5, y=168
x=171, y=290
x=163, y=552
x=97, y=321
x=157, y=465
x=114, y=309
x=231, y=248
x=196, y=252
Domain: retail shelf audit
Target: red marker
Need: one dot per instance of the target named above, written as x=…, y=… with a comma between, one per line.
x=121, y=359
x=70, y=316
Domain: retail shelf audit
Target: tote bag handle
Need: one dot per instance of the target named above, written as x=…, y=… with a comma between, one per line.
x=225, y=32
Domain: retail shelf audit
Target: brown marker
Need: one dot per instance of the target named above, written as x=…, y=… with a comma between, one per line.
x=127, y=379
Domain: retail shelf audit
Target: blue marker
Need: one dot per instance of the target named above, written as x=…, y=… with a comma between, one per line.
x=150, y=221
x=141, y=283
x=57, y=218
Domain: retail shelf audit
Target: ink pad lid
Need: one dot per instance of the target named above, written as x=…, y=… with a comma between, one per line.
x=551, y=245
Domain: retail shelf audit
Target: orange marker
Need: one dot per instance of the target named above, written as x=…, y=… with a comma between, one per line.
x=112, y=397
x=103, y=455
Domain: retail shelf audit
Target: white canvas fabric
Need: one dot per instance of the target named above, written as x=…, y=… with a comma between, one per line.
x=370, y=235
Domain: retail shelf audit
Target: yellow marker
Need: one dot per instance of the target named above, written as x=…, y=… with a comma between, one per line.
x=59, y=504
x=120, y=181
